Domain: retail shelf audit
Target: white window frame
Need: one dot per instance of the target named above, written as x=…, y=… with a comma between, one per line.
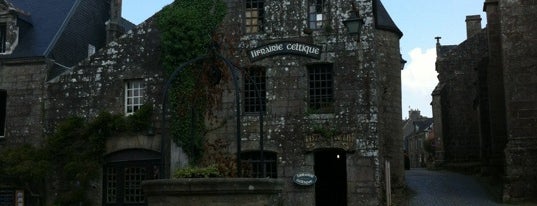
x=134, y=95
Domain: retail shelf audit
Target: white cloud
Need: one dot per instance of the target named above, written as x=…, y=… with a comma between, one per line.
x=418, y=80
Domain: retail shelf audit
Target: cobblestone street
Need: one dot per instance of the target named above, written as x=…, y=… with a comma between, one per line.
x=442, y=188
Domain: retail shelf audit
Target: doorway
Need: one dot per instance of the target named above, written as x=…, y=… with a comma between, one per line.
x=331, y=171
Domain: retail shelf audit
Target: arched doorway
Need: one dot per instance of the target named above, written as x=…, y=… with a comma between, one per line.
x=331, y=171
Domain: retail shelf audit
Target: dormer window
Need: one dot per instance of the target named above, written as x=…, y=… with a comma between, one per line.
x=9, y=31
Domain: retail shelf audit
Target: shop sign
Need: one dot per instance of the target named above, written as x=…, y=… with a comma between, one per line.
x=305, y=179
x=285, y=48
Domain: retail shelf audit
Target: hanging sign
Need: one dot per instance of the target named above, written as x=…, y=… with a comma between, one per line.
x=285, y=48
x=304, y=179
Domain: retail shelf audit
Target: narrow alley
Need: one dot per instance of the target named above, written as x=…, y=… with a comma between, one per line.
x=442, y=188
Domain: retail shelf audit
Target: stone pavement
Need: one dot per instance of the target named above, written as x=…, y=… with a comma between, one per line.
x=442, y=188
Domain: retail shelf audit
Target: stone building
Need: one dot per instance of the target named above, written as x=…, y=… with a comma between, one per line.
x=38, y=41
x=488, y=84
x=331, y=107
x=415, y=135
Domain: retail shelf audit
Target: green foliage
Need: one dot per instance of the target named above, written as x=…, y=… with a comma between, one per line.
x=187, y=27
x=325, y=132
x=25, y=163
x=71, y=157
x=197, y=172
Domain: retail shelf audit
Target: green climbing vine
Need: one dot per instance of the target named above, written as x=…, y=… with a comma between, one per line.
x=187, y=28
x=70, y=158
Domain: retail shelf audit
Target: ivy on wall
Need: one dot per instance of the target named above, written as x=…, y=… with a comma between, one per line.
x=71, y=158
x=187, y=28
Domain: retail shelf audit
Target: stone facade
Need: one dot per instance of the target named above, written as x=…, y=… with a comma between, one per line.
x=416, y=132
x=498, y=105
x=363, y=117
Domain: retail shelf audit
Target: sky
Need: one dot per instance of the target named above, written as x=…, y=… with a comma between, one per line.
x=420, y=20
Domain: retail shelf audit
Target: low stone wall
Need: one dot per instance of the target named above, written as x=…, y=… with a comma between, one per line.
x=214, y=191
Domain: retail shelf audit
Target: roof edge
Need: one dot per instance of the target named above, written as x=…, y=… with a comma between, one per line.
x=383, y=21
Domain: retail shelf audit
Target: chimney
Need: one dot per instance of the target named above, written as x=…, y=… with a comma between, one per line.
x=438, y=45
x=113, y=27
x=473, y=25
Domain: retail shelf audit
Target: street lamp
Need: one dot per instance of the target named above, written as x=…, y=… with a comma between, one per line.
x=354, y=23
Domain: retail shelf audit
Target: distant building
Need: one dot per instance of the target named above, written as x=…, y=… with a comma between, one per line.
x=484, y=103
x=416, y=131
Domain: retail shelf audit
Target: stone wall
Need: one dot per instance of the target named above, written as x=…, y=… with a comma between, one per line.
x=24, y=82
x=214, y=191
x=366, y=100
x=519, y=28
x=457, y=78
x=389, y=62
x=97, y=84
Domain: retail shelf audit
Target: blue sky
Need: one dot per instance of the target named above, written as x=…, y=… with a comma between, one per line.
x=420, y=21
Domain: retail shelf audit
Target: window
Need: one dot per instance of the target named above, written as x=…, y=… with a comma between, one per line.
x=255, y=90
x=123, y=174
x=111, y=185
x=3, y=38
x=7, y=197
x=3, y=104
x=134, y=95
x=253, y=166
x=133, y=185
x=254, y=16
x=317, y=13
x=321, y=95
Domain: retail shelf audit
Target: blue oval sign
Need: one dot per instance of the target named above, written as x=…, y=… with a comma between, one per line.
x=305, y=179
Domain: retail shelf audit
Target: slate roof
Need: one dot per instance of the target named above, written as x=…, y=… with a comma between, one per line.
x=43, y=25
x=383, y=20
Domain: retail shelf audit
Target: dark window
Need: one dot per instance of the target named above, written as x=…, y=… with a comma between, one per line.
x=7, y=197
x=122, y=181
x=3, y=38
x=255, y=88
x=111, y=185
x=132, y=182
x=321, y=95
x=253, y=167
x=3, y=102
x=254, y=16
x=317, y=13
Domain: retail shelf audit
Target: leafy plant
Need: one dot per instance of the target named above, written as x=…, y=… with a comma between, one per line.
x=70, y=158
x=325, y=132
x=187, y=28
x=197, y=172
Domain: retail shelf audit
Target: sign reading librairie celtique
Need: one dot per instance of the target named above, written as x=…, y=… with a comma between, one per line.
x=285, y=48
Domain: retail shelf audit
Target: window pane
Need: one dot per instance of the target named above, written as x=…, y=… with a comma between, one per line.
x=134, y=92
x=133, y=185
x=253, y=16
x=321, y=87
x=111, y=185
x=254, y=168
x=254, y=90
